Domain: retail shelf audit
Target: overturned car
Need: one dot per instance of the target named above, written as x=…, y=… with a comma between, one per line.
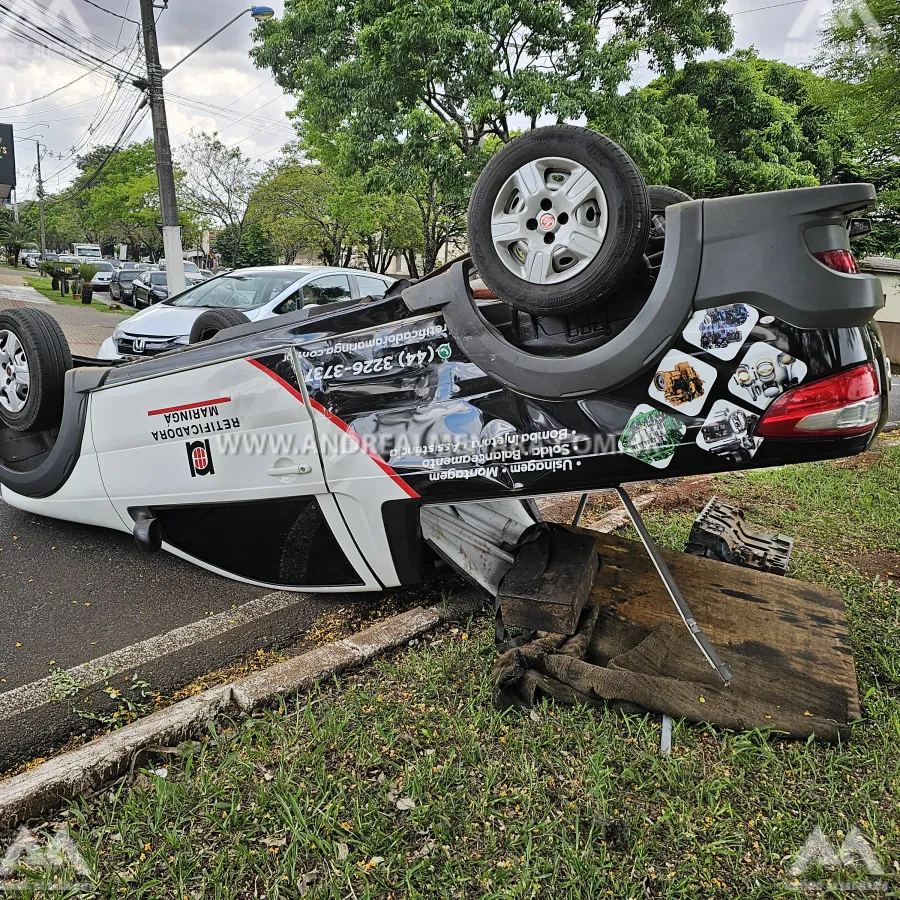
x=356, y=446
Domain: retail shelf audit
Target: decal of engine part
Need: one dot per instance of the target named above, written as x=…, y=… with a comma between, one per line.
x=765, y=373
x=652, y=436
x=728, y=432
x=721, y=331
x=682, y=382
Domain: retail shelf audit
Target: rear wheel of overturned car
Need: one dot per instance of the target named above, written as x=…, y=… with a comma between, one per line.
x=558, y=220
x=34, y=359
x=210, y=323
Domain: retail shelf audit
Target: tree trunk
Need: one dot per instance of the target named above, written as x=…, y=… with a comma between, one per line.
x=411, y=263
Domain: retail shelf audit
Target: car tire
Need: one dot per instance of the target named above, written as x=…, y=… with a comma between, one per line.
x=210, y=323
x=594, y=240
x=34, y=338
x=661, y=198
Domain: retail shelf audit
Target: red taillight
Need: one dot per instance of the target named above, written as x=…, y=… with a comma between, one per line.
x=844, y=404
x=839, y=260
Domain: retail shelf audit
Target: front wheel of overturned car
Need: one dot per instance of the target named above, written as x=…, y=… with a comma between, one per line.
x=34, y=359
x=558, y=220
x=210, y=323
x=661, y=198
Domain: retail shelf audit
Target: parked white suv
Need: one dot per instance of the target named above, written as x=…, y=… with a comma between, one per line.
x=257, y=293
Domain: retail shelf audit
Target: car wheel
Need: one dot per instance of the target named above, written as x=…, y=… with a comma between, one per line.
x=34, y=359
x=661, y=198
x=558, y=220
x=210, y=323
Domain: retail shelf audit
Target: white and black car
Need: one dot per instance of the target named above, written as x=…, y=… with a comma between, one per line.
x=255, y=293
x=350, y=444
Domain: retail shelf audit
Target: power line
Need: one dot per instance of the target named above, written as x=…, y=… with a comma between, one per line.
x=58, y=47
x=113, y=150
x=65, y=86
x=773, y=6
x=233, y=115
x=110, y=12
x=62, y=23
x=230, y=105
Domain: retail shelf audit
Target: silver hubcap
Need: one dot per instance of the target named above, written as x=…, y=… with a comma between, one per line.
x=549, y=220
x=14, y=378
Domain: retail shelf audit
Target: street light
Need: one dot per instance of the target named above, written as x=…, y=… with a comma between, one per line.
x=260, y=13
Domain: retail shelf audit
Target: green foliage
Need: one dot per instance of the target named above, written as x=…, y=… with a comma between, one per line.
x=367, y=67
x=861, y=54
x=730, y=126
x=217, y=184
x=246, y=246
x=416, y=93
x=87, y=271
x=14, y=235
x=311, y=208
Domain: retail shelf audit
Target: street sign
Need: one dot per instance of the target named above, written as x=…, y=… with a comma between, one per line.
x=7, y=161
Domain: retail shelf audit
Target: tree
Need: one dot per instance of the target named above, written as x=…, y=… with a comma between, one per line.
x=307, y=206
x=731, y=126
x=14, y=235
x=418, y=92
x=860, y=54
x=250, y=247
x=122, y=203
x=217, y=184
x=473, y=64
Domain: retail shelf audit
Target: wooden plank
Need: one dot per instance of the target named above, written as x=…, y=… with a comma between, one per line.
x=797, y=631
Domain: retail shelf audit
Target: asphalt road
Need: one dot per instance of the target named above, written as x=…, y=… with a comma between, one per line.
x=70, y=593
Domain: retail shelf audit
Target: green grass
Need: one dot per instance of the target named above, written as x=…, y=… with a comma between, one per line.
x=313, y=799
x=44, y=286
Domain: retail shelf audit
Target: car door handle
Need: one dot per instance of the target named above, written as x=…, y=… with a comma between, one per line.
x=281, y=471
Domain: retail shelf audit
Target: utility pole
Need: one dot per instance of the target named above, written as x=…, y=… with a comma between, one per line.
x=40, y=192
x=171, y=228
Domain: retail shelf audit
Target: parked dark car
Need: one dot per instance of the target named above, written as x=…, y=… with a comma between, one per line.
x=153, y=286
x=121, y=288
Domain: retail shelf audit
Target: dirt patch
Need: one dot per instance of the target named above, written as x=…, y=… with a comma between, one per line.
x=881, y=563
x=863, y=461
x=672, y=495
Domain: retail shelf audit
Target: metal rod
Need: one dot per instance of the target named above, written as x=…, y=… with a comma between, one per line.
x=665, y=742
x=582, y=505
x=700, y=639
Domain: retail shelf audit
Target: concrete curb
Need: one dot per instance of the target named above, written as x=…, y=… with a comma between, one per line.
x=53, y=783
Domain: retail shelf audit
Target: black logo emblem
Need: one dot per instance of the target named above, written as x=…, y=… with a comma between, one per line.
x=200, y=459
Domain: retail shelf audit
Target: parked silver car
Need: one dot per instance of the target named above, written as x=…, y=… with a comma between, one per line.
x=257, y=293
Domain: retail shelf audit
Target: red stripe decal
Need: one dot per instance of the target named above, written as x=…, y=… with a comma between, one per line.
x=174, y=409
x=340, y=423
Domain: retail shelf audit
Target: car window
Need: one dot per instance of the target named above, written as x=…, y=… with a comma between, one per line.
x=326, y=289
x=128, y=275
x=290, y=304
x=371, y=287
x=157, y=278
x=104, y=267
x=236, y=291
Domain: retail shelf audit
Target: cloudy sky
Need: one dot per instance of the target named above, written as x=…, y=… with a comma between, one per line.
x=218, y=88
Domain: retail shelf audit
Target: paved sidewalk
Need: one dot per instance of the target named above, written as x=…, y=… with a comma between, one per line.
x=85, y=328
